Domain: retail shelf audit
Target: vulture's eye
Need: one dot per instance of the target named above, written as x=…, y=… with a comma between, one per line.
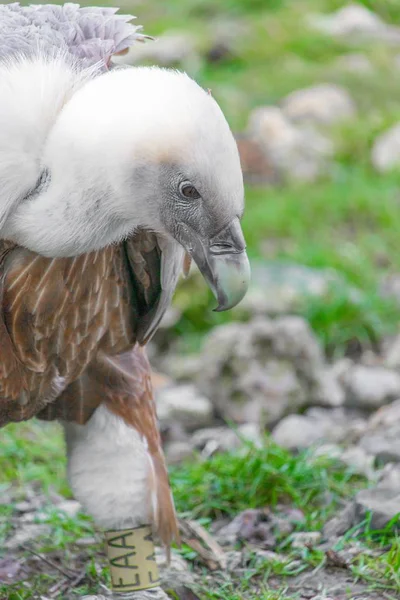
x=187, y=190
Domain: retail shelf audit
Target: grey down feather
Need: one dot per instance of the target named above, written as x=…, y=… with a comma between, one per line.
x=91, y=35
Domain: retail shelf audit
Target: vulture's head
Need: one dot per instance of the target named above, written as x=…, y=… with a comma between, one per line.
x=149, y=148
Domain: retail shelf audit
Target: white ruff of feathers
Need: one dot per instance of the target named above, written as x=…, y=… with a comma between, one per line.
x=106, y=444
x=32, y=94
x=89, y=131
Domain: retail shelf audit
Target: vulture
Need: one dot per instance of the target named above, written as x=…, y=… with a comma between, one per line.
x=111, y=180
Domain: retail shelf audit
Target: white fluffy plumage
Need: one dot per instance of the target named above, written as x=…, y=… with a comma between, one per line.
x=102, y=140
x=32, y=95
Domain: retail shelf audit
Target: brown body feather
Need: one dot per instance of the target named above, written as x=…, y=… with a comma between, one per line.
x=68, y=342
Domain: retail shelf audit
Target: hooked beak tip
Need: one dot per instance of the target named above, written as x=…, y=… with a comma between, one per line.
x=232, y=281
x=223, y=262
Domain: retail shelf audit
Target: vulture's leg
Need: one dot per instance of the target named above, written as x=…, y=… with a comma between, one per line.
x=108, y=472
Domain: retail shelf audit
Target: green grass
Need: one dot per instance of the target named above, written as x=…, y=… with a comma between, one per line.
x=245, y=589
x=220, y=486
x=225, y=485
x=33, y=452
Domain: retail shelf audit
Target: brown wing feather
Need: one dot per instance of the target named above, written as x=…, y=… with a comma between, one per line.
x=67, y=343
x=55, y=316
x=12, y=381
x=127, y=391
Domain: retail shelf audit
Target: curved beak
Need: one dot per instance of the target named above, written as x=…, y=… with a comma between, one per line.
x=222, y=260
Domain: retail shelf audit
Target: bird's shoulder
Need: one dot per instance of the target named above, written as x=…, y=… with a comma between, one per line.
x=54, y=315
x=57, y=315
x=47, y=53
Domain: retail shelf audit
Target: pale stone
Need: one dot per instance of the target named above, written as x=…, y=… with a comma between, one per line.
x=385, y=154
x=298, y=153
x=184, y=404
x=323, y=104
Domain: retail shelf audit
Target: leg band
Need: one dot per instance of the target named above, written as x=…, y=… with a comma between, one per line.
x=132, y=559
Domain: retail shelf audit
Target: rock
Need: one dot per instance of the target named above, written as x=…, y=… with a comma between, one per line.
x=385, y=417
x=260, y=371
x=298, y=153
x=326, y=389
x=176, y=573
x=173, y=432
x=293, y=339
x=297, y=432
x=185, y=405
x=26, y=533
x=382, y=437
x=226, y=38
x=251, y=526
x=268, y=556
x=257, y=167
x=10, y=568
x=182, y=367
x=241, y=560
x=352, y=457
x=235, y=559
x=341, y=523
x=389, y=477
x=171, y=49
x=223, y=439
x=86, y=541
x=355, y=23
x=346, y=425
x=341, y=367
x=70, y=507
x=370, y=387
x=26, y=506
x=356, y=63
x=390, y=287
x=323, y=104
x=305, y=538
x=385, y=154
x=281, y=288
x=259, y=527
x=358, y=461
x=382, y=503
x=177, y=452
x=328, y=450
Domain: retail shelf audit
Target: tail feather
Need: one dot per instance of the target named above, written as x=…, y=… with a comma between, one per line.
x=162, y=504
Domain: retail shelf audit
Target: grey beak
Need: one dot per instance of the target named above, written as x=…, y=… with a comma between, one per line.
x=222, y=260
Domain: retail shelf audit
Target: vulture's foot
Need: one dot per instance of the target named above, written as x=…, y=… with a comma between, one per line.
x=108, y=468
x=153, y=594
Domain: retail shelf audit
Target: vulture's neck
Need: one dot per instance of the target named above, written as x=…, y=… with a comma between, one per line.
x=64, y=220
x=68, y=213
x=60, y=186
